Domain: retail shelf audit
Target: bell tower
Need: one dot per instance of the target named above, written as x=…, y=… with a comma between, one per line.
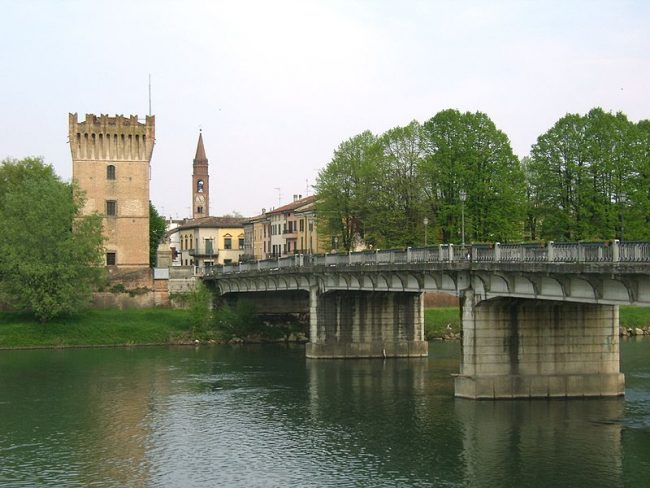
x=200, y=182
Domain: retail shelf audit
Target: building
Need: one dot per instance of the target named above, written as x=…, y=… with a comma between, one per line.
x=200, y=182
x=253, y=237
x=111, y=159
x=211, y=241
x=290, y=229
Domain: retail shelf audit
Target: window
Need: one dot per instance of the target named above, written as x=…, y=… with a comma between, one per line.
x=311, y=225
x=302, y=225
x=111, y=208
x=110, y=259
x=199, y=186
x=199, y=210
x=110, y=172
x=227, y=242
x=241, y=243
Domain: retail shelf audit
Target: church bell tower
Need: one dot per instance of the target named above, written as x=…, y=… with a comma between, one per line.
x=200, y=182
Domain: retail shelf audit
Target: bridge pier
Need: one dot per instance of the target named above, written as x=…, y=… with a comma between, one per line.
x=524, y=348
x=366, y=324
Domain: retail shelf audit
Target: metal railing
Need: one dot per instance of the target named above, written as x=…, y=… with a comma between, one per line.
x=551, y=252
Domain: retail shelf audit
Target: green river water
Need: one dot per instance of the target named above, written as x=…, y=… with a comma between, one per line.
x=266, y=416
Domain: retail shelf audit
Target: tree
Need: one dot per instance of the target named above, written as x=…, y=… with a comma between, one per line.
x=346, y=188
x=399, y=201
x=585, y=172
x=466, y=152
x=157, y=227
x=51, y=255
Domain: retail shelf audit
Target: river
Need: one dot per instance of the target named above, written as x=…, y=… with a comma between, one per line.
x=266, y=416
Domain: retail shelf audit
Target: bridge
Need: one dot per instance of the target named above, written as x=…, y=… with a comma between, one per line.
x=538, y=320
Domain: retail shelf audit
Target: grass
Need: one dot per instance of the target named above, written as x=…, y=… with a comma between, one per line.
x=168, y=326
x=436, y=319
x=96, y=328
x=634, y=316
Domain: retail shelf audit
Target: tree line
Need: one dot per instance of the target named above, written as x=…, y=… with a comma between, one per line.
x=587, y=178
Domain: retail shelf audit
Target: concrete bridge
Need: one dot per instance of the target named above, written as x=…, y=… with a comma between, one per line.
x=537, y=320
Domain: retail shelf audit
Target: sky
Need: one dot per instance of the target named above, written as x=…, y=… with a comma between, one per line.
x=276, y=86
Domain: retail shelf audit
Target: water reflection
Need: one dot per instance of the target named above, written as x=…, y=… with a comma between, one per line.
x=265, y=416
x=542, y=442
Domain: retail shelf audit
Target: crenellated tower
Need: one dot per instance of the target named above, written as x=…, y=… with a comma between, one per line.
x=111, y=162
x=200, y=182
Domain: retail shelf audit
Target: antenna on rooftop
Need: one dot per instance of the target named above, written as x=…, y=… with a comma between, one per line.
x=149, y=94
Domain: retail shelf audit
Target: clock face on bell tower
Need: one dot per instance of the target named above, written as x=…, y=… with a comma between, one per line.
x=200, y=182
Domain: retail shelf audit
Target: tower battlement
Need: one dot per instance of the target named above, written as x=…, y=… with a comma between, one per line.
x=104, y=137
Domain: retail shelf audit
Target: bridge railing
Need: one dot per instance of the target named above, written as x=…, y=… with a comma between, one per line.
x=551, y=252
x=634, y=251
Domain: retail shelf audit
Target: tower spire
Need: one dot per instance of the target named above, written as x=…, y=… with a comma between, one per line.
x=200, y=151
x=200, y=182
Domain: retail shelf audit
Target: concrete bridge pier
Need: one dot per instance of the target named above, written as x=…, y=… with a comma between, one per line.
x=525, y=348
x=366, y=324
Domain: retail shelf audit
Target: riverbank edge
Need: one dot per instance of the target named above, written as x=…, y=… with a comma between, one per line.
x=173, y=327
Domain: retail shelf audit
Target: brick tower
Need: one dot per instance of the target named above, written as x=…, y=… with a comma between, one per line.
x=200, y=182
x=111, y=159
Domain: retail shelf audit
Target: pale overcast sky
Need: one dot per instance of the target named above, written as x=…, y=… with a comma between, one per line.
x=277, y=85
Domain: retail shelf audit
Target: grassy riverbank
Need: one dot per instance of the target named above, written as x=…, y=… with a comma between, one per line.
x=437, y=319
x=170, y=326
x=96, y=328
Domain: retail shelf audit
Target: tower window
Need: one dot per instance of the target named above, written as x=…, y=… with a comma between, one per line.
x=199, y=186
x=111, y=208
x=110, y=172
x=199, y=210
x=111, y=259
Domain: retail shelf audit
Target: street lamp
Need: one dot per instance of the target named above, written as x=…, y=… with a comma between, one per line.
x=622, y=198
x=426, y=223
x=463, y=197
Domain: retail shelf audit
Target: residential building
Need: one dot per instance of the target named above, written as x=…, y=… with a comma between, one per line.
x=254, y=243
x=291, y=229
x=210, y=241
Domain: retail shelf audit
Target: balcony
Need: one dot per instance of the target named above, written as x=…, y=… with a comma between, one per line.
x=203, y=251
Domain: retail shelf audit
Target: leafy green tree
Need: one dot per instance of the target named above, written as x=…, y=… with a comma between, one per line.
x=467, y=153
x=51, y=255
x=585, y=172
x=398, y=205
x=157, y=228
x=346, y=190
x=640, y=183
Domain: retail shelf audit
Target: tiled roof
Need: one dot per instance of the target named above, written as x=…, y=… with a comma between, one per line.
x=293, y=205
x=214, y=222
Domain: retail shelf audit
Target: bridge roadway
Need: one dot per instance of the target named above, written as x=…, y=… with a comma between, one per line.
x=537, y=320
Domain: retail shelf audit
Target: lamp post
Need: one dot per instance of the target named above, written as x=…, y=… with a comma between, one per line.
x=463, y=197
x=622, y=198
x=426, y=224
